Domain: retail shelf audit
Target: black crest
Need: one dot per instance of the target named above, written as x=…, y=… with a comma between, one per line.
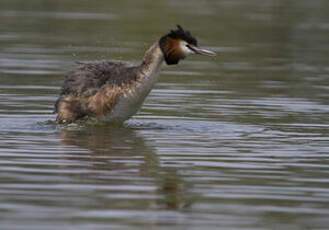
x=185, y=35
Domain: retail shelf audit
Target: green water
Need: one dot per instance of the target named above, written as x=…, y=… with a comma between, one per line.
x=240, y=141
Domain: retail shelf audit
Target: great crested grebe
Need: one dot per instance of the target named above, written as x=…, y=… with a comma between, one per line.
x=114, y=91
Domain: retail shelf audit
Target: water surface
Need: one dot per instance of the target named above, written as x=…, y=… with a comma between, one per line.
x=240, y=141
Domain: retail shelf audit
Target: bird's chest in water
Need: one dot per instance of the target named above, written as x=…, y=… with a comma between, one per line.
x=130, y=101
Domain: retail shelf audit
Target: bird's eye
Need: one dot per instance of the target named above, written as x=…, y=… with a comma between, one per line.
x=189, y=46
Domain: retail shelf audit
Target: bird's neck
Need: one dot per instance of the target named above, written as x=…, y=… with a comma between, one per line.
x=152, y=61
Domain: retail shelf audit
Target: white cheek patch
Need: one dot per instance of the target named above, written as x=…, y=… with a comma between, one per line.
x=184, y=48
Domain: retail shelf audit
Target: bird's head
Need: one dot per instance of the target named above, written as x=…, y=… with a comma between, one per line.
x=178, y=44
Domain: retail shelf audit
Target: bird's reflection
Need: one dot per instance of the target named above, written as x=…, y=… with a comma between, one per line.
x=122, y=150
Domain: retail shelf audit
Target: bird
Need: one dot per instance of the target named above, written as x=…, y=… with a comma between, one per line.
x=113, y=91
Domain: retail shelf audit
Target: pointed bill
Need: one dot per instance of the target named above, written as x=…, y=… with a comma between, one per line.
x=201, y=51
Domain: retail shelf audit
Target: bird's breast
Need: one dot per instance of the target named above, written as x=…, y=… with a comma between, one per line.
x=131, y=99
